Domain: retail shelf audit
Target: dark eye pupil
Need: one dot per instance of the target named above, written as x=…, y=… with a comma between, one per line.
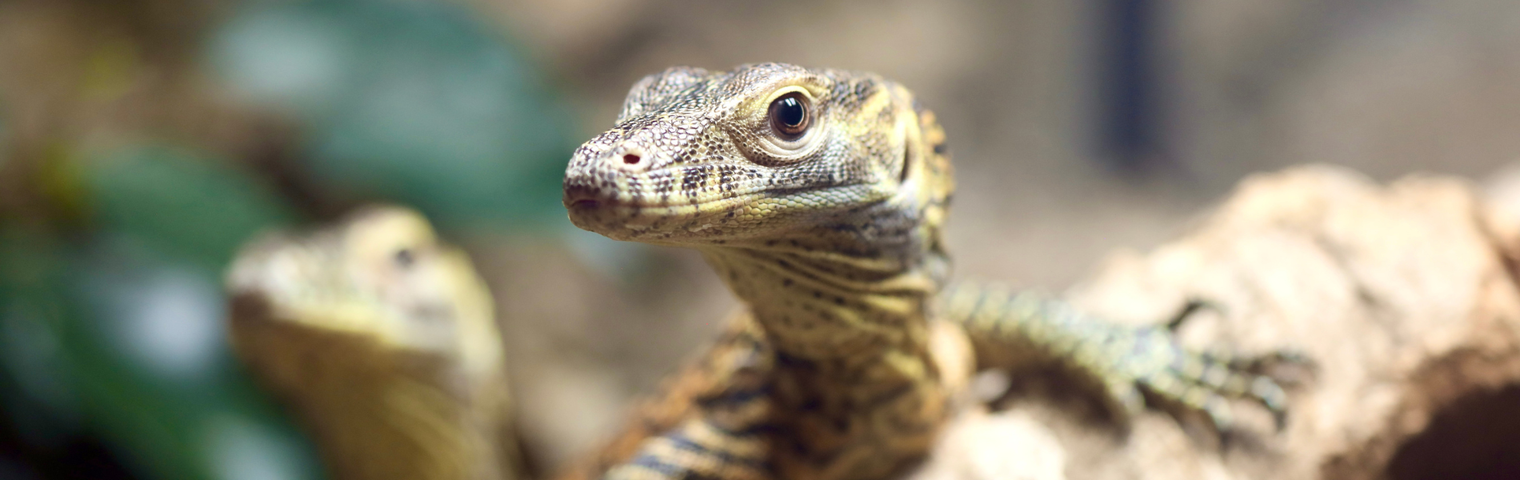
x=790, y=112
x=789, y=116
x=405, y=258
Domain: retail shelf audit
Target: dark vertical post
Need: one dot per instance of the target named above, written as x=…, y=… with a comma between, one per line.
x=1129, y=119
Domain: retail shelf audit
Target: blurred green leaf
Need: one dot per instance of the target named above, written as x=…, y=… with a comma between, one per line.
x=150, y=345
x=134, y=348
x=414, y=101
x=134, y=313
x=34, y=382
x=200, y=209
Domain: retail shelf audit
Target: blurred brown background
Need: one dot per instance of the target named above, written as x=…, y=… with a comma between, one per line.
x=142, y=140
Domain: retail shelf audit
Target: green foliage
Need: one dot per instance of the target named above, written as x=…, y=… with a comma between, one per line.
x=407, y=100
x=111, y=310
x=198, y=208
x=117, y=330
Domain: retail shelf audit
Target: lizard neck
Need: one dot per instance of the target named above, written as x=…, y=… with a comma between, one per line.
x=851, y=288
x=375, y=412
x=855, y=285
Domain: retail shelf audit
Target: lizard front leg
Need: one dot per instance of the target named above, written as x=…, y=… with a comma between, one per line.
x=698, y=448
x=1009, y=329
x=711, y=420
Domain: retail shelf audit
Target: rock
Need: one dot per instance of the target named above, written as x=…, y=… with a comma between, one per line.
x=1404, y=296
x=1026, y=450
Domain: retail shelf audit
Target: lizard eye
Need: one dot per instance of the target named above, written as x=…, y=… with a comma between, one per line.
x=790, y=116
x=404, y=257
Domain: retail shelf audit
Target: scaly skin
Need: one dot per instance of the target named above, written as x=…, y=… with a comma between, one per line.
x=846, y=359
x=383, y=341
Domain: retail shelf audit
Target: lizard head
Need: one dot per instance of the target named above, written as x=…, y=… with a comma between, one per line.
x=378, y=282
x=369, y=321
x=762, y=152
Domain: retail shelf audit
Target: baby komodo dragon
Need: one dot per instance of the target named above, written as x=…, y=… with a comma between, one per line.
x=819, y=197
x=384, y=342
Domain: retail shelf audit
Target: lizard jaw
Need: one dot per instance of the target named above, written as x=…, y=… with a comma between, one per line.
x=684, y=224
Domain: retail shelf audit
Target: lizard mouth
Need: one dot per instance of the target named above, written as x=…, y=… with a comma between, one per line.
x=586, y=199
x=591, y=199
x=636, y=209
x=665, y=223
x=600, y=212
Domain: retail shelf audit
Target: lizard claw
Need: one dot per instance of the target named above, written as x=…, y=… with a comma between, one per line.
x=1125, y=360
x=1206, y=381
x=1193, y=305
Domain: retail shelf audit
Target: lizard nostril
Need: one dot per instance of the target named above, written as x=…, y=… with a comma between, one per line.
x=631, y=159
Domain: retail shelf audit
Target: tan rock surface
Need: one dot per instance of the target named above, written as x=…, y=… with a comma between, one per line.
x=1404, y=296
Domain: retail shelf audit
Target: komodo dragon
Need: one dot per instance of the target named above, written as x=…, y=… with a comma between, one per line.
x=383, y=341
x=819, y=197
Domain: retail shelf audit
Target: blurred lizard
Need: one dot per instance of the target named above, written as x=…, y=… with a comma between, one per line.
x=384, y=342
x=819, y=197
